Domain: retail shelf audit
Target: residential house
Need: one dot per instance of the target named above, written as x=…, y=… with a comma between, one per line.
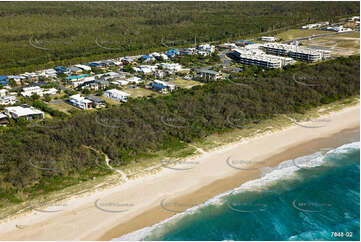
x=134, y=79
x=24, y=111
x=171, y=66
x=146, y=58
x=268, y=38
x=29, y=91
x=8, y=100
x=3, y=119
x=102, y=84
x=4, y=80
x=97, y=64
x=76, y=70
x=208, y=75
x=163, y=87
x=120, y=82
x=62, y=70
x=97, y=102
x=145, y=69
x=83, y=67
x=163, y=57
x=160, y=74
x=17, y=79
x=339, y=29
x=116, y=95
x=3, y=92
x=80, y=102
x=127, y=60
x=205, y=49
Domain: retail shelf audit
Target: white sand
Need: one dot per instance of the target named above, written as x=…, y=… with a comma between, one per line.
x=81, y=220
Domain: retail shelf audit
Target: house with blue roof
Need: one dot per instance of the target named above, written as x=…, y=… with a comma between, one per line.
x=61, y=69
x=76, y=77
x=4, y=80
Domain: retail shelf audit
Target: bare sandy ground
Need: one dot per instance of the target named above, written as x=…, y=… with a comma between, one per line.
x=145, y=201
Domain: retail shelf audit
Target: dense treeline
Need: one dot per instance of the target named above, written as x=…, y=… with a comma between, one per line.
x=33, y=157
x=36, y=35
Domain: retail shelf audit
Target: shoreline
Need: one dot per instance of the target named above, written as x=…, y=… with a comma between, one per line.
x=82, y=220
x=330, y=142
x=227, y=184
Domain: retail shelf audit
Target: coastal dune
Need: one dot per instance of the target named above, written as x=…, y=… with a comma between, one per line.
x=145, y=201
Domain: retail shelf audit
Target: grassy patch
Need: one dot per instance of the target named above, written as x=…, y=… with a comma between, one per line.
x=299, y=33
x=185, y=83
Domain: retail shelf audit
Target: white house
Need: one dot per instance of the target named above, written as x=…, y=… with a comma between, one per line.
x=24, y=112
x=3, y=92
x=84, y=67
x=339, y=29
x=171, y=67
x=80, y=102
x=164, y=57
x=116, y=95
x=207, y=48
x=145, y=69
x=29, y=91
x=120, y=82
x=268, y=38
x=8, y=100
x=134, y=79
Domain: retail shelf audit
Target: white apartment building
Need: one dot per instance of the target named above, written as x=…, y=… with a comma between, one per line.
x=258, y=58
x=296, y=52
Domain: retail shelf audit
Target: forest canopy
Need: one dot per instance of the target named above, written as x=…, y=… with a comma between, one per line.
x=39, y=35
x=145, y=125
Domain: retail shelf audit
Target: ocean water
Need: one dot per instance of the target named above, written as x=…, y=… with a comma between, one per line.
x=314, y=197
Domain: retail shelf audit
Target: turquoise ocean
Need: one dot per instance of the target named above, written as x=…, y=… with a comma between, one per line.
x=314, y=197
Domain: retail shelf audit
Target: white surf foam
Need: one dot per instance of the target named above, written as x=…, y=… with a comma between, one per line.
x=285, y=170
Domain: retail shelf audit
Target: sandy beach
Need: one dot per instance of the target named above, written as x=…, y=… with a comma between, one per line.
x=150, y=199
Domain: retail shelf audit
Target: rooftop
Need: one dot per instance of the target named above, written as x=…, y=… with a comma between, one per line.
x=23, y=111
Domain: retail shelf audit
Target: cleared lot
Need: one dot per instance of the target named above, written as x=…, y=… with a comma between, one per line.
x=340, y=44
x=299, y=33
